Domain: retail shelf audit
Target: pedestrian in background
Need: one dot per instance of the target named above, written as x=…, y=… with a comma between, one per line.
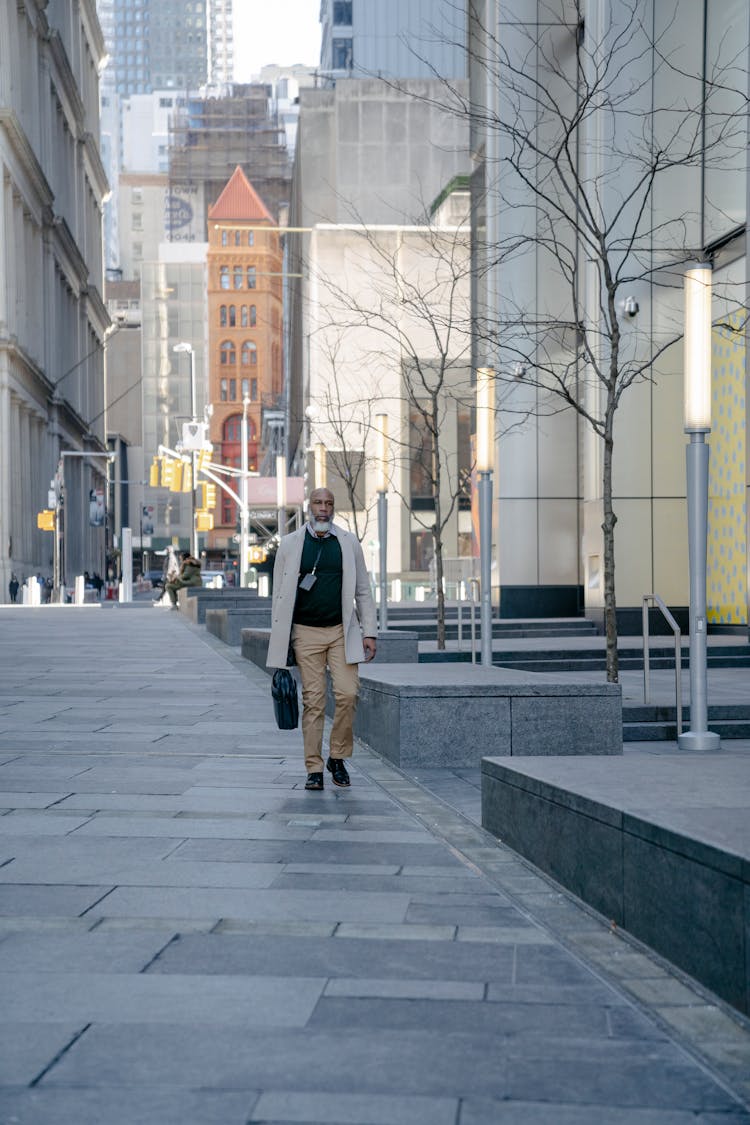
x=13, y=587
x=170, y=571
x=190, y=575
x=322, y=604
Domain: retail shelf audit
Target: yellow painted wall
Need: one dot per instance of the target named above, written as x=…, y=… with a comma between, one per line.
x=727, y=593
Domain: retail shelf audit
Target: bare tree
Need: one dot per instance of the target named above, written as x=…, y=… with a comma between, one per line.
x=403, y=306
x=584, y=171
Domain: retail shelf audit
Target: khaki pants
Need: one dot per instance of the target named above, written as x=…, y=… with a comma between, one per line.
x=314, y=650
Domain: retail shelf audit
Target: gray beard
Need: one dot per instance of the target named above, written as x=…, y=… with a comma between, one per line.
x=321, y=525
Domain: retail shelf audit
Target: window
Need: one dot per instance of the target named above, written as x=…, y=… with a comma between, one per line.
x=238, y=238
x=223, y=316
x=137, y=223
x=223, y=390
x=245, y=387
x=227, y=355
x=253, y=390
x=252, y=316
x=232, y=316
x=250, y=277
x=165, y=103
x=224, y=238
x=251, y=238
x=238, y=277
x=420, y=456
x=249, y=354
x=224, y=277
x=342, y=12
x=232, y=390
x=243, y=316
x=233, y=428
x=342, y=58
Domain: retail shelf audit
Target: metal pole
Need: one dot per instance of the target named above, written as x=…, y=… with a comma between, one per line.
x=383, y=574
x=698, y=737
x=193, y=530
x=243, y=496
x=485, y=565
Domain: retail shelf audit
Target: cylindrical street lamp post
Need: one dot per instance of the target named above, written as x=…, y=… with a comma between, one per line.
x=319, y=461
x=243, y=495
x=381, y=422
x=281, y=494
x=185, y=347
x=485, y=449
x=697, y=363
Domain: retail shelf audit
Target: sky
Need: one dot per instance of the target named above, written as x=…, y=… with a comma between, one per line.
x=274, y=31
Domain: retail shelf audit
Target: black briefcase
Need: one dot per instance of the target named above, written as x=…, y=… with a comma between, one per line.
x=285, y=703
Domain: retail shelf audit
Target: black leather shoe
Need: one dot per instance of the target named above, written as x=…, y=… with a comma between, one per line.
x=338, y=771
x=314, y=781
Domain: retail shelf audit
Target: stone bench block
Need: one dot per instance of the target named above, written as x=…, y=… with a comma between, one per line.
x=194, y=601
x=453, y=715
x=227, y=624
x=399, y=647
x=657, y=843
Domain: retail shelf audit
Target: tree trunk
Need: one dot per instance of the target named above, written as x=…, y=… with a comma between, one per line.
x=437, y=539
x=608, y=528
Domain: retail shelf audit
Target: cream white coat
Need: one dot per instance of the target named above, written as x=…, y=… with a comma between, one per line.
x=357, y=606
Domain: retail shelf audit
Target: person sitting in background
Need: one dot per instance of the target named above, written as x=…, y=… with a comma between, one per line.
x=190, y=575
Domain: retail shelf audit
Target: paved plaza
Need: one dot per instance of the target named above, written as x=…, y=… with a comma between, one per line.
x=187, y=937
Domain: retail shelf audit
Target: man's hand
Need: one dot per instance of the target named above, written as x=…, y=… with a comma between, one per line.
x=370, y=647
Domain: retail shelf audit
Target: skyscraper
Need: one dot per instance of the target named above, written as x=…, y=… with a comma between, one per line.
x=166, y=44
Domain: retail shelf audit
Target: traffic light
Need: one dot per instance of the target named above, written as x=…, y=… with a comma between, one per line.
x=175, y=483
x=204, y=457
x=45, y=520
x=201, y=490
x=210, y=495
x=167, y=472
x=204, y=521
x=187, y=476
x=153, y=474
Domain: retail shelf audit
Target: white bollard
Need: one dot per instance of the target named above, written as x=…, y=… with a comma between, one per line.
x=263, y=585
x=79, y=596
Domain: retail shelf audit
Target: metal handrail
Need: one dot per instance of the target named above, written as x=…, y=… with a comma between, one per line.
x=657, y=601
x=475, y=594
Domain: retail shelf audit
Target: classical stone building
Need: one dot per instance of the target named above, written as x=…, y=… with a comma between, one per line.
x=53, y=321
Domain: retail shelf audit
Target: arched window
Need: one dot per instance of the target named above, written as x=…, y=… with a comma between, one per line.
x=232, y=316
x=223, y=316
x=249, y=354
x=250, y=277
x=224, y=277
x=238, y=277
x=243, y=316
x=232, y=430
x=252, y=316
x=227, y=354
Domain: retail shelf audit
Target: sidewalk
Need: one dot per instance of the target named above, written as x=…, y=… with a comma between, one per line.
x=187, y=937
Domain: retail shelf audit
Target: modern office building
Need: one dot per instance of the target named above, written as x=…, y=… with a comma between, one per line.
x=392, y=38
x=650, y=202
x=53, y=321
x=367, y=154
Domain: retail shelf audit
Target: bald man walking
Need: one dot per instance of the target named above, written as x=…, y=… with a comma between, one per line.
x=323, y=605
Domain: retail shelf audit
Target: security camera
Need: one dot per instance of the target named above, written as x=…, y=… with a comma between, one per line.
x=519, y=370
x=631, y=306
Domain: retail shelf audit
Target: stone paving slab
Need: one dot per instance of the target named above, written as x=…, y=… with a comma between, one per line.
x=187, y=936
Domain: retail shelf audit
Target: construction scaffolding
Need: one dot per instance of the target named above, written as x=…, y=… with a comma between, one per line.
x=209, y=136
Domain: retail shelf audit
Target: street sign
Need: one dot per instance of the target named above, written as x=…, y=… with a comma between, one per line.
x=193, y=436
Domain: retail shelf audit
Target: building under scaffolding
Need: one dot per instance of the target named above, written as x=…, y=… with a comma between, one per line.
x=210, y=136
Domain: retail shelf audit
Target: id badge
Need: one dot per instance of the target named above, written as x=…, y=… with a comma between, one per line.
x=308, y=582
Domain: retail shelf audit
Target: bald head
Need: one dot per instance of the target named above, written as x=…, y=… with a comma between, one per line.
x=321, y=510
